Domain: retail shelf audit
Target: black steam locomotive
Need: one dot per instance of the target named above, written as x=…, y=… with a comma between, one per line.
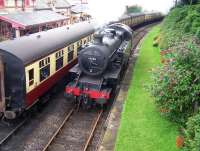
x=100, y=65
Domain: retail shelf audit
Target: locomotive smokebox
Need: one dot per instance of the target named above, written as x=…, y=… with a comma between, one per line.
x=92, y=60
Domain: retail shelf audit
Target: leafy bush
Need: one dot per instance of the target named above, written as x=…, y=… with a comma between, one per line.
x=134, y=9
x=179, y=22
x=192, y=134
x=198, y=33
x=176, y=86
x=187, y=2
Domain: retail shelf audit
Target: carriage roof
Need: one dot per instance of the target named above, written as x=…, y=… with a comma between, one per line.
x=35, y=46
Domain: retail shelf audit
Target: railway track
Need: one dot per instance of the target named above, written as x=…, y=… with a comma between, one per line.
x=67, y=142
x=78, y=130
x=139, y=34
x=92, y=130
x=12, y=132
x=58, y=130
x=32, y=134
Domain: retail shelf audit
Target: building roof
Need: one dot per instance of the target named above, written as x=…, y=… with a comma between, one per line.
x=76, y=2
x=26, y=19
x=44, y=5
x=80, y=8
x=36, y=46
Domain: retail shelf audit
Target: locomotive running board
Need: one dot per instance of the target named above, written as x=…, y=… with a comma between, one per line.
x=2, y=90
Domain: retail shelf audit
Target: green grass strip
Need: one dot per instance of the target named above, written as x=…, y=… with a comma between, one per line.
x=142, y=128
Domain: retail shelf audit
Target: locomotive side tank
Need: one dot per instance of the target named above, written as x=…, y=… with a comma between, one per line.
x=94, y=59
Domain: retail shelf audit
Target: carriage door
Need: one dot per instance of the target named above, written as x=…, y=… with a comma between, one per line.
x=2, y=90
x=30, y=81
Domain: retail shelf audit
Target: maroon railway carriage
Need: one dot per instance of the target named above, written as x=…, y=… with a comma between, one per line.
x=31, y=65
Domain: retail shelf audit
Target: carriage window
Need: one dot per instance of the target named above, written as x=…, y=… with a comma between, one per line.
x=59, y=59
x=44, y=72
x=78, y=44
x=44, y=62
x=71, y=48
x=44, y=68
x=59, y=63
x=31, y=77
x=70, y=56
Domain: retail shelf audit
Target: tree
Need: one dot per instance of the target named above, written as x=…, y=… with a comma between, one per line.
x=189, y=2
x=134, y=9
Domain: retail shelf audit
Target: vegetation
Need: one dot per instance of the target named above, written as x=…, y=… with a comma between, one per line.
x=192, y=134
x=134, y=9
x=142, y=128
x=187, y=2
x=181, y=23
x=176, y=84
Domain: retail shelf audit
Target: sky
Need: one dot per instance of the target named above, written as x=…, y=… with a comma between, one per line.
x=106, y=10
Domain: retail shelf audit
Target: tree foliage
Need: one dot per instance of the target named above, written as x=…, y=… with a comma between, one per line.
x=134, y=9
x=192, y=134
x=179, y=22
x=189, y=2
x=176, y=86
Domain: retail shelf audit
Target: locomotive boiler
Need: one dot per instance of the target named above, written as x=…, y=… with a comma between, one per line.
x=100, y=66
x=94, y=59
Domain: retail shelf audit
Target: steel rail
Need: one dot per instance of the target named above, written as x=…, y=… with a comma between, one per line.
x=139, y=34
x=59, y=129
x=5, y=139
x=92, y=130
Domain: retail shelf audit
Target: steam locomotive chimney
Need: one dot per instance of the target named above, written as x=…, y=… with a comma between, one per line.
x=98, y=38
